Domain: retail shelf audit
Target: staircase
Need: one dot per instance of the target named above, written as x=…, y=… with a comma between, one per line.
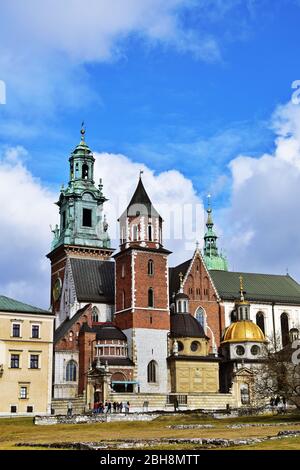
x=60, y=405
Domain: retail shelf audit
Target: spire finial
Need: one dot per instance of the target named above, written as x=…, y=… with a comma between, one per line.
x=241, y=287
x=141, y=172
x=82, y=131
x=197, y=245
x=181, y=281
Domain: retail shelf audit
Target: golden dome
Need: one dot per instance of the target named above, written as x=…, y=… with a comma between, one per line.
x=244, y=330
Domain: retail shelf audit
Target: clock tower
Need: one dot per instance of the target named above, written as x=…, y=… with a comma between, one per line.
x=82, y=232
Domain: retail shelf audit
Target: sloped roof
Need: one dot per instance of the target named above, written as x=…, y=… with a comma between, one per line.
x=62, y=330
x=258, y=287
x=10, y=305
x=94, y=280
x=141, y=202
x=174, y=281
x=109, y=331
x=184, y=325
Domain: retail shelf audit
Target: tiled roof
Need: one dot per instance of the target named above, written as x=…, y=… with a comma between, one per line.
x=63, y=329
x=174, y=276
x=10, y=305
x=258, y=287
x=94, y=280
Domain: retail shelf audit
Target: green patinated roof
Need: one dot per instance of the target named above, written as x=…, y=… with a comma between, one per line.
x=215, y=262
x=11, y=305
x=258, y=287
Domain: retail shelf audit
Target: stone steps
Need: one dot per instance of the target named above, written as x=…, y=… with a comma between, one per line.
x=60, y=405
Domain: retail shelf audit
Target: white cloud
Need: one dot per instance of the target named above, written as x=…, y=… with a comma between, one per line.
x=262, y=225
x=27, y=209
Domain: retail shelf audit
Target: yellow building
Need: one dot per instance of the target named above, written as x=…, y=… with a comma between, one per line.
x=26, y=351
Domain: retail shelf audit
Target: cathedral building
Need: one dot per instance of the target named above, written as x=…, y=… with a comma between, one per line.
x=130, y=327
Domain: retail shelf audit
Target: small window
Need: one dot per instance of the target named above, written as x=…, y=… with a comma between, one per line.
x=34, y=361
x=195, y=346
x=13, y=409
x=260, y=321
x=255, y=350
x=95, y=314
x=85, y=171
x=16, y=331
x=150, y=297
x=123, y=271
x=87, y=217
x=245, y=396
x=35, y=331
x=123, y=299
x=149, y=233
x=23, y=393
x=15, y=361
x=240, y=350
x=29, y=409
x=180, y=346
x=134, y=233
x=150, y=267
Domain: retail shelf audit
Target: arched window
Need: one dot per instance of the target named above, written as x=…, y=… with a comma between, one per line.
x=260, y=321
x=150, y=233
x=85, y=171
x=233, y=316
x=284, y=321
x=150, y=297
x=71, y=371
x=123, y=271
x=152, y=372
x=150, y=267
x=95, y=314
x=123, y=299
x=134, y=232
x=200, y=316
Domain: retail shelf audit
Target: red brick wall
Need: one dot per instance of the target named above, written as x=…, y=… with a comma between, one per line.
x=86, y=345
x=123, y=284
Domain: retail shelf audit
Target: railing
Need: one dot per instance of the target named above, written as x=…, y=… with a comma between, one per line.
x=181, y=399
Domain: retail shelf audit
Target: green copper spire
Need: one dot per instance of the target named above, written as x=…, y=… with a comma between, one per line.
x=212, y=258
x=81, y=203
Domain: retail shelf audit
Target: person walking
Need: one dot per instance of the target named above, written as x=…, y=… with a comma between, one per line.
x=70, y=409
x=284, y=404
x=175, y=404
x=121, y=406
x=108, y=409
x=127, y=405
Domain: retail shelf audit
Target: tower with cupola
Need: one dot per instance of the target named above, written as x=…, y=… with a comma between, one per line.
x=82, y=231
x=212, y=258
x=141, y=291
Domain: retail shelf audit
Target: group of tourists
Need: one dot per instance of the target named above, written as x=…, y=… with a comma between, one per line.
x=109, y=407
x=278, y=403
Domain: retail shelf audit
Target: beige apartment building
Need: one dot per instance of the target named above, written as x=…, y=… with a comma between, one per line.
x=26, y=353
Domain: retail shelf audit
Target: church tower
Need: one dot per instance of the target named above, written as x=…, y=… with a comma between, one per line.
x=212, y=258
x=82, y=232
x=142, y=300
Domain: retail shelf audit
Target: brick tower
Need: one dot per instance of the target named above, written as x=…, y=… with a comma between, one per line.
x=142, y=299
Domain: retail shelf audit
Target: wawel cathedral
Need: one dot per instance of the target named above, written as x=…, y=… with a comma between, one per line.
x=131, y=328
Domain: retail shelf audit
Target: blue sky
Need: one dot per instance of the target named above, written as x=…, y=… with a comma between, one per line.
x=187, y=85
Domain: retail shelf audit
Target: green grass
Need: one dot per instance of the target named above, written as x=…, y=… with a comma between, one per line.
x=16, y=430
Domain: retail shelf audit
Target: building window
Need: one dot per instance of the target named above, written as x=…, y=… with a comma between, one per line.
x=123, y=299
x=255, y=350
x=16, y=330
x=29, y=409
x=34, y=361
x=13, y=409
x=87, y=217
x=180, y=346
x=95, y=314
x=260, y=321
x=134, y=233
x=233, y=316
x=15, y=361
x=150, y=297
x=240, y=350
x=23, y=392
x=150, y=233
x=195, y=346
x=123, y=271
x=150, y=267
x=284, y=321
x=152, y=372
x=71, y=371
x=200, y=316
x=71, y=334
x=35, y=331
x=160, y=235
x=85, y=171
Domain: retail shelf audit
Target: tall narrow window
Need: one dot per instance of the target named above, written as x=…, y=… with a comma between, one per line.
x=35, y=331
x=16, y=330
x=260, y=321
x=95, y=314
x=150, y=233
x=34, y=361
x=23, y=393
x=150, y=267
x=200, y=316
x=152, y=372
x=85, y=171
x=134, y=233
x=123, y=271
x=15, y=361
x=284, y=320
x=123, y=299
x=63, y=222
x=150, y=297
x=71, y=371
x=87, y=217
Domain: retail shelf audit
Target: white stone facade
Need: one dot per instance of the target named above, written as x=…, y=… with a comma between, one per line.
x=62, y=388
